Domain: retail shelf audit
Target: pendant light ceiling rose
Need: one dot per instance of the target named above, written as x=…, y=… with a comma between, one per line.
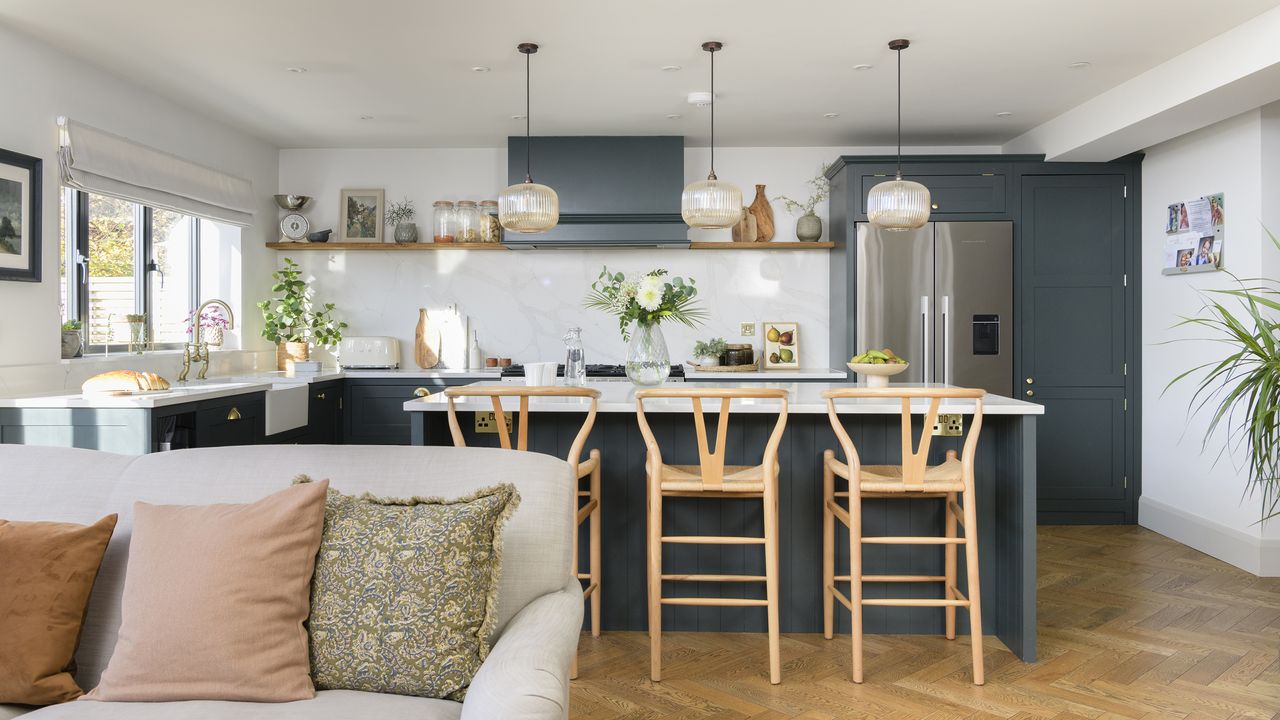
x=899, y=204
x=528, y=207
x=711, y=203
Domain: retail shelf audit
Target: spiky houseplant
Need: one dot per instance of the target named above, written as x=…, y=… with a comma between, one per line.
x=1241, y=392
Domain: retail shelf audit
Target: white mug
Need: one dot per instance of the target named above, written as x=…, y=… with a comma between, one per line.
x=539, y=373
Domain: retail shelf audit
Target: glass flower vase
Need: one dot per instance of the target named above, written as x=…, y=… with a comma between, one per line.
x=648, y=362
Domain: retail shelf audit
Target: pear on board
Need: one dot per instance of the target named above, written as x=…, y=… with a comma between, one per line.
x=422, y=352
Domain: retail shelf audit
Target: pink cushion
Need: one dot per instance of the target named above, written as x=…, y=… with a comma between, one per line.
x=214, y=601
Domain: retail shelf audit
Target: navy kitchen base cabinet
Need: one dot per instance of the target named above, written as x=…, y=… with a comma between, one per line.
x=239, y=420
x=324, y=414
x=373, y=409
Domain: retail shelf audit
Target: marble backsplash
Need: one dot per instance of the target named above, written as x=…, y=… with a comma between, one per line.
x=520, y=303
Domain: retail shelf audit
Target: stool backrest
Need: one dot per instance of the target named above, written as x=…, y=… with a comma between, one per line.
x=495, y=393
x=915, y=454
x=711, y=460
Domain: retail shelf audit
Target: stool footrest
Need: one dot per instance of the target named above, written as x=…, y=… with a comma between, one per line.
x=912, y=541
x=711, y=540
x=715, y=578
x=716, y=602
x=896, y=578
x=914, y=602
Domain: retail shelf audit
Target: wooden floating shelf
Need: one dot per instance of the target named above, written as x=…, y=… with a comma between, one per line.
x=761, y=245
x=385, y=247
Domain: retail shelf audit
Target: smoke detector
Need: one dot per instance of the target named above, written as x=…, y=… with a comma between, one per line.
x=699, y=98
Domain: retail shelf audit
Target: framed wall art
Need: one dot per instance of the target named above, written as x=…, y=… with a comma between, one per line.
x=361, y=213
x=20, y=208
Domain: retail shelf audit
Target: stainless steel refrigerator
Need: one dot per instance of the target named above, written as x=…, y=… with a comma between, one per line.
x=942, y=298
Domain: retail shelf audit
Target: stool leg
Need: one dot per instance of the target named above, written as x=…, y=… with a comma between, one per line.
x=973, y=581
x=771, y=577
x=950, y=564
x=655, y=577
x=828, y=545
x=573, y=564
x=855, y=576
x=595, y=547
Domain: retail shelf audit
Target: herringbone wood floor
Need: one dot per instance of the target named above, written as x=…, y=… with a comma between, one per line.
x=1132, y=625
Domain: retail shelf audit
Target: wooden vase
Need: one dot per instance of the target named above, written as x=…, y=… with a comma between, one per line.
x=287, y=353
x=763, y=212
x=745, y=229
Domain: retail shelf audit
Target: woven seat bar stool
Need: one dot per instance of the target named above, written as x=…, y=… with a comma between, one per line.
x=951, y=482
x=586, y=501
x=711, y=478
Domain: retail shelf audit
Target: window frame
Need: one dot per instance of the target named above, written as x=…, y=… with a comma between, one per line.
x=76, y=262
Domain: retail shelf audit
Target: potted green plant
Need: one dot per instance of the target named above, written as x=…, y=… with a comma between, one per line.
x=1241, y=391
x=641, y=303
x=72, y=340
x=809, y=225
x=401, y=216
x=293, y=321
x=707, y=353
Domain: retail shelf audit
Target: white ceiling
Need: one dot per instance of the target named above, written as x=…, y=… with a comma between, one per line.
x=407, y=63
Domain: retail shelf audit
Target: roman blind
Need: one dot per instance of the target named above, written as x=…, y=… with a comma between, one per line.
x=100, y=162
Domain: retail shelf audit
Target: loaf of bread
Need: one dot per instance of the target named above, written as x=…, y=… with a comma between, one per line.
x=124, y=382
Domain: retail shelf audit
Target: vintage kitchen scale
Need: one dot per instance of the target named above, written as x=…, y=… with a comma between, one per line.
x=294, y=226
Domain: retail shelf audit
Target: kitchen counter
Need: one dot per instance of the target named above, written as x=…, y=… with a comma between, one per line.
x=801, y=374
x=196, y=390
x=1006, y=504
x=805, y=398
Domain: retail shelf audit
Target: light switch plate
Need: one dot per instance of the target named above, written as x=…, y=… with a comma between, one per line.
x=487, y=422
x=949, y=425
x=748, y=329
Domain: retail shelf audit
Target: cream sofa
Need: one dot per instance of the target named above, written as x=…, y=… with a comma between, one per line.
x=540, y=607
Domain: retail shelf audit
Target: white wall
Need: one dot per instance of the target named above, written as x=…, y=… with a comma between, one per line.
x=521, y=302
x=43, y=83
x=1185, y=494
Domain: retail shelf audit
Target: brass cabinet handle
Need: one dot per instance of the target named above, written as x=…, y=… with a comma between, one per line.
x=1031, y=393
x=421, y=392
x=1030, y=380
x=233, y=415
x=320, y=396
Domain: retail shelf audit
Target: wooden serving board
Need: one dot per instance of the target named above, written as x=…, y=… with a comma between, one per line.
x=753, y=367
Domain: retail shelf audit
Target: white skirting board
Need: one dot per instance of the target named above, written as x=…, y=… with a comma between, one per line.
x=1257, y=555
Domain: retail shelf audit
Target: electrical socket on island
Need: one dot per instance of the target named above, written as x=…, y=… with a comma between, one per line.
x=487, y=422
x=949, y=425
x=748, y=329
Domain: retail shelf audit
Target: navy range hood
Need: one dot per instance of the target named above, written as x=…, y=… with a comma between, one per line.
x=614, y=191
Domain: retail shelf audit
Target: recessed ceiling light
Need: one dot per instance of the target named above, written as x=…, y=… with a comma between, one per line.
x=1078, y=65
x=830, y=116
x=296, y=69
x=1003, y=114
x=517, y=117
x=480, y=69
x=366, y=117
x=670, y=68
x=863, y=66
x=673, y=116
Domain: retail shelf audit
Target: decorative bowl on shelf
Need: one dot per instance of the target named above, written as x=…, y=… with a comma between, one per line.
x=877, y=375
x=292, y=202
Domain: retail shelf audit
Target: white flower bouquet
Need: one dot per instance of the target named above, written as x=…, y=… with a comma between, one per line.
x=646, y=299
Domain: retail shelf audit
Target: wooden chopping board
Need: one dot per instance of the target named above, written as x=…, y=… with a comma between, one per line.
x=423, y=354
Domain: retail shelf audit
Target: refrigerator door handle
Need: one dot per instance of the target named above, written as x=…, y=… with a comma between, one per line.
x=925, y=335
x=946, y=339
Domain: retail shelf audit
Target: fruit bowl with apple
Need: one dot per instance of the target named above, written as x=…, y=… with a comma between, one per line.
x=877, y=366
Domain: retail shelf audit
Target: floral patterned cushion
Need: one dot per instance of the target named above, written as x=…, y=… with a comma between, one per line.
x=405, y=591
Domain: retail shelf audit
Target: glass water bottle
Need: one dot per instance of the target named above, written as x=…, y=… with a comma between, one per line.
x=575, y=363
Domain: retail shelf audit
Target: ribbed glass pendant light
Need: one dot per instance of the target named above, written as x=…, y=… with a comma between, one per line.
x=899, y=204
x=711, y=203
x=528, y=207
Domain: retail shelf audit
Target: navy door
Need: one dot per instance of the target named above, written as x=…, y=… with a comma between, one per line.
x=1074, y=339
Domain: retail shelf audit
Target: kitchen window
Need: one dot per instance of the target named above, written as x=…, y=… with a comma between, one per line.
x=123, y=258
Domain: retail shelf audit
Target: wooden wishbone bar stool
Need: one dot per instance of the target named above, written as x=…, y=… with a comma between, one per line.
x=711, y=478
x=586, y=502
x=914, y=478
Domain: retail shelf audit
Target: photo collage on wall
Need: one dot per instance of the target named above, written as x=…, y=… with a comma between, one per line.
x=1193, y=240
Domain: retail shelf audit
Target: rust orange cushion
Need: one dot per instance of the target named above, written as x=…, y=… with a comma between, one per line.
x=214, y=601
x=47, y=571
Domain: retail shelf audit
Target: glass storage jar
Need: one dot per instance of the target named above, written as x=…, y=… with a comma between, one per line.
x=490, y=227
x=468, y=221
x=738, y=354
x=444, y=222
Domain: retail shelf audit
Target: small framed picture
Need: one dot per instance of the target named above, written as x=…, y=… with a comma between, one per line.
x=19, y=217
x=360, y=219
x=781, y=346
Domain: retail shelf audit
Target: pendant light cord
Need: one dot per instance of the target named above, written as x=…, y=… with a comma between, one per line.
x=899, y=114
x=528, y=143
x=712, y=176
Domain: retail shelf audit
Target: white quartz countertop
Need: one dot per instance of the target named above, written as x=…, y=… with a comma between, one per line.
x=210, y=389
x=805, y=398
x=767, y=375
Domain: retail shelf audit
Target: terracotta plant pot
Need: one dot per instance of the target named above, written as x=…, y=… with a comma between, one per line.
x=287, y=353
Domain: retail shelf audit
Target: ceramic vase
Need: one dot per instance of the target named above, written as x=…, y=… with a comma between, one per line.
x=648, y=362
x=808, y=228
x=406, y=232
x=72, y=344
x=763, y=213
